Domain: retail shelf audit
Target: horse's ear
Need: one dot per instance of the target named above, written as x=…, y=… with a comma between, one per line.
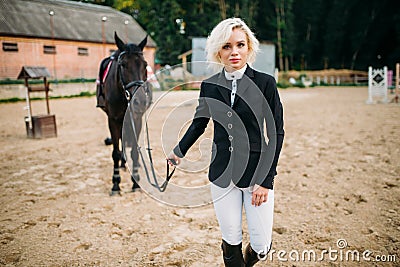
x=119, y=42
x=143, y=43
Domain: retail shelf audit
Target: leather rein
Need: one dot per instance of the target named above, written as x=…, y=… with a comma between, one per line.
x=150, y=172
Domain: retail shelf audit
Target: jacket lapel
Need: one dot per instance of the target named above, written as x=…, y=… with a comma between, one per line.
x=223, y=88
x=244, y=84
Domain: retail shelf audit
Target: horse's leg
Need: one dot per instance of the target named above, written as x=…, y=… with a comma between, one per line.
x=126, y=135
x=135, y=153
x=123, y=161
x=135, y=170
x=116, y=154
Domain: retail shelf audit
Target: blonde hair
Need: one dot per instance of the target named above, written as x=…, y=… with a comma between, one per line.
x=220, y=35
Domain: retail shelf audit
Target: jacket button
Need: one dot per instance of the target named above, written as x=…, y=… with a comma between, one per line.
x=230, y=149
x=230, y=125
x=229, y=114
x=230, y=138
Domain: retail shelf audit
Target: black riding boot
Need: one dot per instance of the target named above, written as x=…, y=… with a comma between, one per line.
x=233, y=256
x=251, y=257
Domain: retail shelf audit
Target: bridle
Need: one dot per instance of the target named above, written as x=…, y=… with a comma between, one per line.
x=127, y=86
x=150, y=172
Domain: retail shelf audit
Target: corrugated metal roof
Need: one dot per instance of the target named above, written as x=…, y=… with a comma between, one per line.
x=72, y=21
x=33, y=72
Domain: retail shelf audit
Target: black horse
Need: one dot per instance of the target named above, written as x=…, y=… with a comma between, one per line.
x=125, y=86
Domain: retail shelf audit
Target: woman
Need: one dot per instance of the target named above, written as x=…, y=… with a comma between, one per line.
x=240, y=100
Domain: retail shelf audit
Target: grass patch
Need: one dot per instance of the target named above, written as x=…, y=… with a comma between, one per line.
x=40, y=81
x=11, y=100
x=285, y=84
x=17, y=99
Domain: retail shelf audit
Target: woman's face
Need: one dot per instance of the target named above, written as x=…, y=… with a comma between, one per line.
x=234, y=53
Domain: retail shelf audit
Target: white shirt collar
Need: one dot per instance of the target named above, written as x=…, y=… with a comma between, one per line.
x=237, y=74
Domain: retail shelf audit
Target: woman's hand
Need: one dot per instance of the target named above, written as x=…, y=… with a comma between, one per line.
x=173, y=159
x=259, y=195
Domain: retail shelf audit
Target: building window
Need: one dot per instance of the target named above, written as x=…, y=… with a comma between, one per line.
x=49, y=49
x=82, y=51
x=10, y=47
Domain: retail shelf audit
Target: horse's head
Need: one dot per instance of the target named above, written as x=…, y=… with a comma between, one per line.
x=132, y=72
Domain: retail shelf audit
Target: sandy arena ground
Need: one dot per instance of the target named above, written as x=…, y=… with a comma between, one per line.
x=339, y=178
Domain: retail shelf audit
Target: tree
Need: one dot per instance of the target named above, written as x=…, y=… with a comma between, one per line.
x=284, y=31
x=159, y=19
x=309, y=34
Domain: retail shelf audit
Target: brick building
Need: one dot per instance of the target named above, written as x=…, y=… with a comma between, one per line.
x=69, y=38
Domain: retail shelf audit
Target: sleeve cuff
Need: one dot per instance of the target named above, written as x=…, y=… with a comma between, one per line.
x=268, y=182
x=178, y=152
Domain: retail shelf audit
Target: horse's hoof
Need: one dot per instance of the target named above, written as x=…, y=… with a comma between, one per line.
x=115, y=193
x=123, y=168
x=136, y=187
x=108, y=141
x=136, y=190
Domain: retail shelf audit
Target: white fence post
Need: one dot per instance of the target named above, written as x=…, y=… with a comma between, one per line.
x=377, y=84
x=276, y=74
x=385, y=84
x=369, y=101
x=397, y=85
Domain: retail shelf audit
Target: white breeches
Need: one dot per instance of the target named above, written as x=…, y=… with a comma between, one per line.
x=228, y=205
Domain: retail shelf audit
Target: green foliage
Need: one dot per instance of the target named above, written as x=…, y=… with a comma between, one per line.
x=17, y=99
x=283, y=84
x=352, y=34
x=315, y=34
x=9, y=81
x=11, y=100
x=158, y=18
x=40, y=81
x=81, y=94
